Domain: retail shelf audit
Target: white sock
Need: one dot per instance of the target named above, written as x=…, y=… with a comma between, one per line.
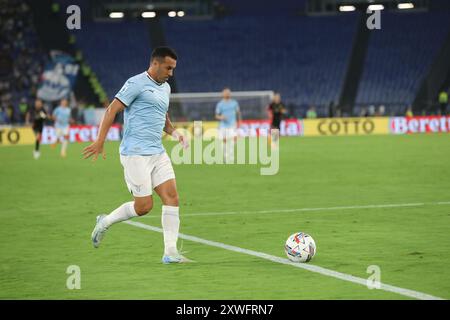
x=170, y=220
x=64, y=147
x=122, y=213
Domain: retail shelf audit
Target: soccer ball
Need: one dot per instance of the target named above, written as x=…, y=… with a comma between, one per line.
x=300, y=247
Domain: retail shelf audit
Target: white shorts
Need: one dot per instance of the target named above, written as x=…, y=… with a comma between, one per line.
x=61, y=132
x=144, y=173
x=227, y=133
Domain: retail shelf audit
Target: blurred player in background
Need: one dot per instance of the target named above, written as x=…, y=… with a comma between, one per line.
x=62, y=116
x=276, y=111
x=37, y=115
x=443, y=102
x=145, y=99
x=229, y=115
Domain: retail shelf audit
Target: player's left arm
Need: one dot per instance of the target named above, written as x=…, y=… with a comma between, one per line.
x=170, y=129
x=53, y=115
x=219, y=116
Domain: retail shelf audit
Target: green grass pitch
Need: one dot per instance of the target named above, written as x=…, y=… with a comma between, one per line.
x=48, y=209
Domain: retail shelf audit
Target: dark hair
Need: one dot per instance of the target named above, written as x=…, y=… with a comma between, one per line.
x=162, y=52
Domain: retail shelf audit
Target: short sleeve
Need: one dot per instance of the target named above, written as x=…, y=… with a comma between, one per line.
x=128, y=93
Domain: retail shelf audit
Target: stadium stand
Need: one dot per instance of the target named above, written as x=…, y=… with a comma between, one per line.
x=22, y=60
x=398, y=58
x=306, y=62
x=115, y=59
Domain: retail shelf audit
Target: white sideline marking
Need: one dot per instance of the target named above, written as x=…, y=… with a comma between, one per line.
x=370, y=206
x=309, y=267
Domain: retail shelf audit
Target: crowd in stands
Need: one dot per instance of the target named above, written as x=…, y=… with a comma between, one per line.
x=21, y=60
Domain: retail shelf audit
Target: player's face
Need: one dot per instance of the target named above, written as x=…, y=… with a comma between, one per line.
x=226, y=93
x=164, y=69
x=277, y=98
x=38, y=104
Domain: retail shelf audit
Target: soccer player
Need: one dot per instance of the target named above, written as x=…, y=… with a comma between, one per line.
x=61, y=116
x=229, y=115
x=147, y=167
x=276, y=111
x=38, y=116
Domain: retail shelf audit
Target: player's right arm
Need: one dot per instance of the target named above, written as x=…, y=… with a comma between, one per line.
x=96, y=147
x=219, y=115
x=269, y=112
x=124, y=98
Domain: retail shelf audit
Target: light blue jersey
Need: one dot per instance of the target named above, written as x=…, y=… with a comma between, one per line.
x=146, y=104
x=62, y=117
x=229, y=109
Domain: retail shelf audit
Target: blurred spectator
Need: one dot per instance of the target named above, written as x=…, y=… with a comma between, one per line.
x=409, y=112
x=10, y=112
x=331, y=109
x=363, y=112
x=443, y=102
x=3, y=115
x=311, y=113
x=338, y=112
x=23, y=108
x=371, y=111
x=381, y=111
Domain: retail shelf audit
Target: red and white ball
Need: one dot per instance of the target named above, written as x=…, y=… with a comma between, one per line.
x=300, y=247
